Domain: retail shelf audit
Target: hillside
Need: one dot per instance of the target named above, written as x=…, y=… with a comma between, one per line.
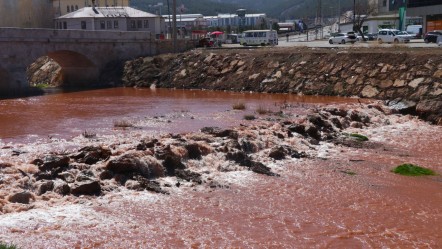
x=281, y=9
x=292, y=9
x=205, y=7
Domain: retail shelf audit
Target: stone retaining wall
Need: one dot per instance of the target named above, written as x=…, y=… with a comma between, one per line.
x=411, y=82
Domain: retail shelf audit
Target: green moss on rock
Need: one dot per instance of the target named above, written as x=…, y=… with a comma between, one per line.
x=412, y=170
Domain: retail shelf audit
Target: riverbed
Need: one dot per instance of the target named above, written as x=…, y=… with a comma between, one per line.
x=338, y=197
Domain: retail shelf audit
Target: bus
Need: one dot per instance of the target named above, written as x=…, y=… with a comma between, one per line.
x=259, y=38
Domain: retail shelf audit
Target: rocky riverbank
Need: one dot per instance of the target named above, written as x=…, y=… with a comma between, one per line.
x=409, y=80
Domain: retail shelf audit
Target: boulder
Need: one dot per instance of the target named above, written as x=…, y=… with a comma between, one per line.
x=171, y=163
x=402, y=106
x=61, y=187
x=278, y=153
x=260, y=168
x=369, y=92
x=239, y=157
x=51, y=162
x=188, y=175
x=149, y=185
x=193, y=151
x=86, y=188
x=92, y=154
x=144, y=145
x=43, y=187
x=22, y=197
x=146, y=166
x=298, y=128
x=133, y=185
x=218, y=132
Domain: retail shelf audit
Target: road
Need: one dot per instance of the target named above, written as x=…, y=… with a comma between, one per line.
x=300, y=41
x=324, y=43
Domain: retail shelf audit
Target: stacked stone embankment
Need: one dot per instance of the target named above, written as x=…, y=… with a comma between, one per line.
x=410, y=81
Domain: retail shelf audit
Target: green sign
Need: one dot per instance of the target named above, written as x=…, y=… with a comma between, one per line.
x=402, y=18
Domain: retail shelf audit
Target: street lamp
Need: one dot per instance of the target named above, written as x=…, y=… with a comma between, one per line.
x=174, y=35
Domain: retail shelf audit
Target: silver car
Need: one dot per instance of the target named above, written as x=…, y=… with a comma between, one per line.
x=343, y=38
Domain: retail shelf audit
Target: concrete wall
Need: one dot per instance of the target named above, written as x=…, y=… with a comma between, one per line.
x=26, y=13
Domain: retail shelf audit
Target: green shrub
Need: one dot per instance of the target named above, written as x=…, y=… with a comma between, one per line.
x=122, y=124
x=42, y=85
x=239, y=106
x=262, y=111
x=7, y=246
x=348, y=172
x=412, y=170
x=249, y=117
x=359, y=137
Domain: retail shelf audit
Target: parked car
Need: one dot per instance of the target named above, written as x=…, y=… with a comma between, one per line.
x=368, y=37
x=392, y=35
x=432, y=36
x=405, y=33
x=415, y=30
x=343, y=38
x=439, y=40
x=205, y=42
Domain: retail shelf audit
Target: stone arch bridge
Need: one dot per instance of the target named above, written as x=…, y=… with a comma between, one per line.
x=82, y=55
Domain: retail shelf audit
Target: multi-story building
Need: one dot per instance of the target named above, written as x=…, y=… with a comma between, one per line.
x=229, y=22
x=63, y=7
x=429, y=10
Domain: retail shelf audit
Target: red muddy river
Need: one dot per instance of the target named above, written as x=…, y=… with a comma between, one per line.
x=316, y=203
x=69, y=114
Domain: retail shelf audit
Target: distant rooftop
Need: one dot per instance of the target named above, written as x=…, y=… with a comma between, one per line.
x=97, y=12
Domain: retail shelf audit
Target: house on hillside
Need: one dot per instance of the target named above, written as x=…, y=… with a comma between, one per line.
x=111, y=18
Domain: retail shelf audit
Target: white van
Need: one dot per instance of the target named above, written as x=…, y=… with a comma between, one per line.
x=415, y=30
x=392, y=35
x=259, y=37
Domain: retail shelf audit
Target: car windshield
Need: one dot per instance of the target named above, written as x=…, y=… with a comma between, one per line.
x=400, y=33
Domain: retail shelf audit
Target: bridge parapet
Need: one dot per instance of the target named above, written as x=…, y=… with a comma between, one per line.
x=57, y=35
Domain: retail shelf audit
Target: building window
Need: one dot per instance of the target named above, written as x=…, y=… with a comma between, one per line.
x=132, y=24
x=65, y=25
x=102, y=25
x=115, y=24
x=68, y=9
x=384, y=3
x=76, y=7
x=146, y=24
x=139, y=24
x=109, y=24
x=72, y=8
x=83, y=24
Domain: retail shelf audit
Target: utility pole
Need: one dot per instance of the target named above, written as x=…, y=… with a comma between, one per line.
x=174, y=36
x=354, y=14
x=339, y=16
x=169, y=29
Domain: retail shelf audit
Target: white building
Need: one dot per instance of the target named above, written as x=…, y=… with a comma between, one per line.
x=111, y=18
x=198, y=21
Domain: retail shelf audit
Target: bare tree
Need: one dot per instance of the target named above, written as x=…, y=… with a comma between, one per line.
x=362, y=11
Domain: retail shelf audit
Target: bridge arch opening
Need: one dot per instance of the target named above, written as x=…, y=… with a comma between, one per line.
x=5, y=82
x=63, y=68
